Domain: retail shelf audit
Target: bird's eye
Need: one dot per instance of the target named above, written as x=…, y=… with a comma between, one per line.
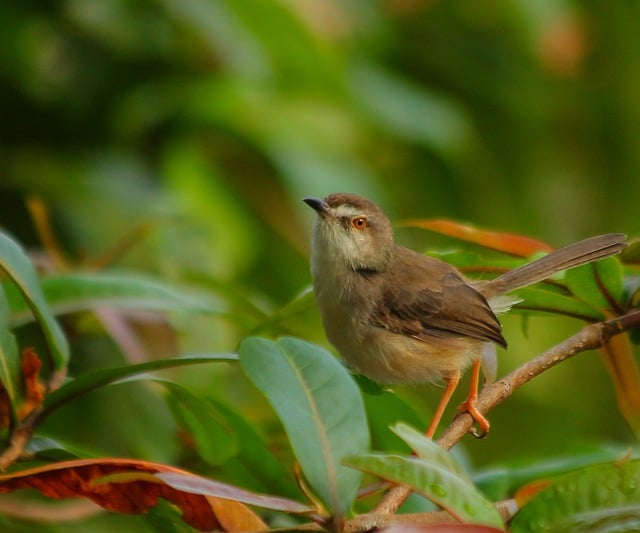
x=359, y=222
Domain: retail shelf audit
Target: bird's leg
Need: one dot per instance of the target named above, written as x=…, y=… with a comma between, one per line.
x=452, y=383
x=470, y=405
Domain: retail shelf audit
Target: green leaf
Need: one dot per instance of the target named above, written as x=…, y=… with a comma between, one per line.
x=215, y=440
x=105, y=376
x=19, y=268
x=10, y=373
x=502, y=481
x=631, y=254
x=385, y=408
x=588, y=282
x=448, y=489
x=320, y=407
x=435, y=474
x=604, y=497
x=255, y=464
x=69, y=293
x=537, y=299
x=428, y=450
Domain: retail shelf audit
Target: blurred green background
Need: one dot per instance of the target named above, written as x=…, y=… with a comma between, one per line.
x=209, y=120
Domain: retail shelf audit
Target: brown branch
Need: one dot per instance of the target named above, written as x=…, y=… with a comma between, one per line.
x=590, y=337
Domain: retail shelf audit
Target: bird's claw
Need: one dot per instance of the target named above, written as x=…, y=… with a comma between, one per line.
x=470, y=407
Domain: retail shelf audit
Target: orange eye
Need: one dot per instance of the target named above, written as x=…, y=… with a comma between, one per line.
x=359, y=222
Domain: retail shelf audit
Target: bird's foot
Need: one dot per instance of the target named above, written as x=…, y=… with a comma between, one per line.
x=470, y=406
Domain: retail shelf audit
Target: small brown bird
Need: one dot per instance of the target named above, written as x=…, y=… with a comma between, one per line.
x=400, y=317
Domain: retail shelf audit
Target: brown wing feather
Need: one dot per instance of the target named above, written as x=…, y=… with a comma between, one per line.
x=417, y=304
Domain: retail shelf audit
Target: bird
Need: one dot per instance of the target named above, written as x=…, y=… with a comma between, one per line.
x=400, y=317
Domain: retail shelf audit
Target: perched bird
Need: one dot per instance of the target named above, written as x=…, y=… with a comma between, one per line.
x=400, y=317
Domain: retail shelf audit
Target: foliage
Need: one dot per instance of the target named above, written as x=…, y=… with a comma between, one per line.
x=152, y=160
x=317, y=401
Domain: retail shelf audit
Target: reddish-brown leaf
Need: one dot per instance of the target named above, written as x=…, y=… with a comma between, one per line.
x=619, y=359
x=509, y=243
x=5, y=408
x=34, y=390
x=71, y=479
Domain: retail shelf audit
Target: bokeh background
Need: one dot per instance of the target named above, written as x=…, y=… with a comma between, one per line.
x=195, y=127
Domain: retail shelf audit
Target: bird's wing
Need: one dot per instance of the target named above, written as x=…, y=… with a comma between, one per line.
x=425, y=297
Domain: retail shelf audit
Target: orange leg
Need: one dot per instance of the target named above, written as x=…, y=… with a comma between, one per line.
x=452, y=383
x=470, y=405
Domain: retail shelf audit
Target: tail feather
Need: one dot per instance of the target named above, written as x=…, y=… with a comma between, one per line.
x=570, y=256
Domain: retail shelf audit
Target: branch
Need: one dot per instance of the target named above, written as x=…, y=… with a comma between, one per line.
x=590, y=337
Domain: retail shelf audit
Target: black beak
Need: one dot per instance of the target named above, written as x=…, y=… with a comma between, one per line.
x=319, y=206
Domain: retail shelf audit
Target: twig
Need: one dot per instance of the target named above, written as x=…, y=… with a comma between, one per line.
x=590, y=337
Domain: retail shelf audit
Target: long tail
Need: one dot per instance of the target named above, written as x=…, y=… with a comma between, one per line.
x=570, y=256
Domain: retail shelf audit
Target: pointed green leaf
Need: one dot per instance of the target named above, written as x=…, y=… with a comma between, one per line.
x=320, y=407
x=428, y=450
x=604, y=497
x=215, y=440
x=68, y=293
x=10, y=374
x=589, y=281
x=20, y=270
x=448, y=489
x=105, y=376
x=538, y=299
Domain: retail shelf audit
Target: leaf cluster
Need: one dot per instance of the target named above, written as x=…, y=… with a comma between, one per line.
x=328, y=419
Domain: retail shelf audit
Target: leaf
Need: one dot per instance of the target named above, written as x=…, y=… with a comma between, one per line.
x=509, y=243
x=210, y=487
x=104, y=376
x=133, y=494
x=320, y=407
x=631, y=254
x=19, y=268
x=620, y=361
x=386, y=408
x=263, y=469
x=604, y=497
x=453, y=492
x=84, y=291
x=447, y=488
x=538, y=299
x=589, y=281
x=10, y=375
x=215, y=440
x=428, y=450
x=501, y=482
x=34, y=390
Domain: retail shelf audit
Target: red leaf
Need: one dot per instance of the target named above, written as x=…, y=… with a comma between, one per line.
x=30, y=365
x=71, y=479
x=509, y=243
